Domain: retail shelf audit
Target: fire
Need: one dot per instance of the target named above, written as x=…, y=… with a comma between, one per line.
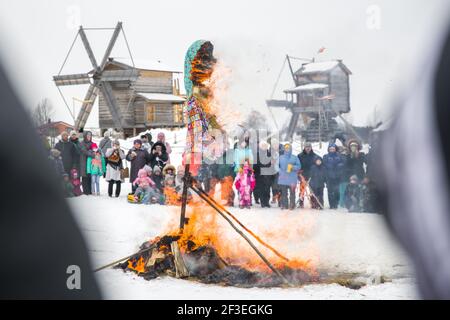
x=171, y=196
x=138, y=266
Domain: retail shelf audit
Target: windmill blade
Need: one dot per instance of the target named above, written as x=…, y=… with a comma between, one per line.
x=111, y=101
x=111, y=44
x=119, y=75
x=86, y=107
x=72, y=79
x=88, y=48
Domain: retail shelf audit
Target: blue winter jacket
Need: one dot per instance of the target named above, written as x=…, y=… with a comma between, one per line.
x=286, y=178
x=334, y=165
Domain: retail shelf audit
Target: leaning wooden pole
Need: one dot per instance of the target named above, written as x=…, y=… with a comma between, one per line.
x=125, y=258
x=263, y=258
x=243, y=226
x=186, y=183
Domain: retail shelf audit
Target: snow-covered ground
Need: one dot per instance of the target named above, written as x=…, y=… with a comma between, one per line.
x=335, y=241
x=343, y=242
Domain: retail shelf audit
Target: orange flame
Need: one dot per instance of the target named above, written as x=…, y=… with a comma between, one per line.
x=138, y=266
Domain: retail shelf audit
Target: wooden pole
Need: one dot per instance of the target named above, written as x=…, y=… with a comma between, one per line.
x=126, y=258
x=243, y=226
x=271, y=267
x=187, y=181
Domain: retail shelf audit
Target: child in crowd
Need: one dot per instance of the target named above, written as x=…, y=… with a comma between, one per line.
x=76, y=182
x=245, y=184
x=158, y=178
x=353, y=195
x=169, y=172
x=368, y=195
x=145, y=186
x=67, y=186
x=96, y=166
x=317, y=182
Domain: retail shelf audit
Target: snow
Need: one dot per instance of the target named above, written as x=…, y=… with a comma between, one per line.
x=345, y=242
x=161, y=97
x=336, y=242
x=317, y=66
x=309, y=86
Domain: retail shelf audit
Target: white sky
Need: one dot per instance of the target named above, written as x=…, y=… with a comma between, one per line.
x=251, y=37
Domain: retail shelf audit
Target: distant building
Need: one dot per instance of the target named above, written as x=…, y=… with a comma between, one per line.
x=150, y=100
x=54, y=129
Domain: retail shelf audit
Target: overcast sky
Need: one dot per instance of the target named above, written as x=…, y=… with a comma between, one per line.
x=380, y=42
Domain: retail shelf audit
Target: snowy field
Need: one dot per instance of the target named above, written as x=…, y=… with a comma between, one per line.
x=344, y=243
x=336, y=241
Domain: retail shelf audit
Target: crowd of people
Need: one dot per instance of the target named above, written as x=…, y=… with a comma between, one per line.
x=271, y=175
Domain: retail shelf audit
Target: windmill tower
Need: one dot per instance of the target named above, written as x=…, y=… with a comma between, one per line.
x=131, y=98
x=321, y=92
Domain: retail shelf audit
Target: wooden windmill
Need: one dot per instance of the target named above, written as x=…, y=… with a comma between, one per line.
x=131, y=98
x=321, y=92
x=99, y=80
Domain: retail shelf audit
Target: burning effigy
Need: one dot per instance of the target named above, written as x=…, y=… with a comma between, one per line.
x=199, y=248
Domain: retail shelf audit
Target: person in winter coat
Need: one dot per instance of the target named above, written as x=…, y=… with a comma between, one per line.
x=263, y=174
x=158, y=155
x=226, y=176
x=307, y=158
x=353, y=195
x=179, y=183
x=85, y=152
x=105, y=143
x=114, y=164
x=169, y=170
x=67, y=186
x=242, y=154
x=158, y=178
x=275, y=164
x=369, y=195
x=343, y=151
x=144, y=187
x=355, y=160
x=245, y=183
x=68, y=152
x=76, y=183
x=161, y=138
x=138, y=158
x=56, y=162
x=145, y=143
x=96, y=167
x=76, y=144
x=170, y=194
x=287, y=179
x=317, y=179
x=334, y=168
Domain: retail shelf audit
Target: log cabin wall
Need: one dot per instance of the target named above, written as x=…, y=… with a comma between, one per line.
x=122, y=94
x=154, y=81
x=339, y=86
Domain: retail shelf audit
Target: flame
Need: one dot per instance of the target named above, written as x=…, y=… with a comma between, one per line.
x=171, y=196
x=138, y=266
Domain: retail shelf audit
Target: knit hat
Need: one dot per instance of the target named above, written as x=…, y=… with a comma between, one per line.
x=354, y=178
x=148, y=169
x=156, y=169
x=332, y=145
x=137, y=141
x=73, y=132
x=116, y=142
x=308, y=144
x=106, y=134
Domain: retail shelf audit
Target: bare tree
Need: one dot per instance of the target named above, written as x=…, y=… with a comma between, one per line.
x=43, y=112
x=255, y=120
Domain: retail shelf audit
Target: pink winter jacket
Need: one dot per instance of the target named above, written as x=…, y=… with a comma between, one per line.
x=143, y=179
